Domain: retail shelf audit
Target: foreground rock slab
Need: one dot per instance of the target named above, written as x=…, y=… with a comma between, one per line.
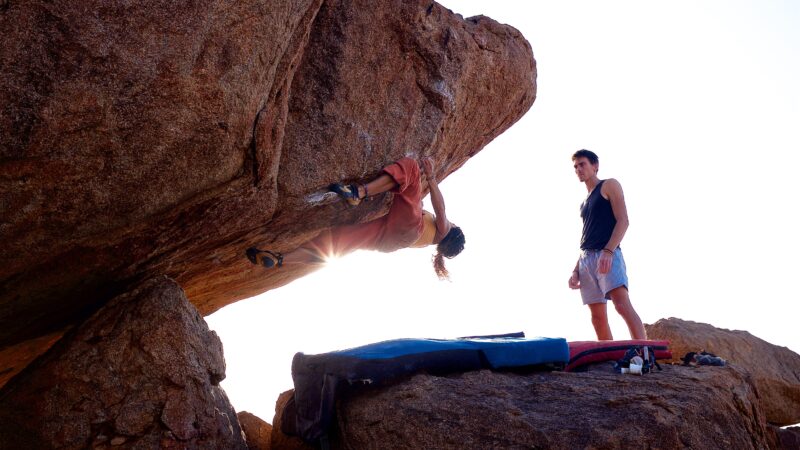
x=680, y=407
x=257, y=431
x=775, y=370
x=788, y=438
x=278, y=438
x=143, y=372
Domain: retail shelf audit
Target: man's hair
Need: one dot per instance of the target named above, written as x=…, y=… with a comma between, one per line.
x=588, y=154
x=449, y=247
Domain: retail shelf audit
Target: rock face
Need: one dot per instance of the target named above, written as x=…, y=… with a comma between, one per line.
x=278, y=438
x=775, y=370
x=257, y=432
x=143, y=372
x=139, y=139
x=679, y=407
x=789, y=438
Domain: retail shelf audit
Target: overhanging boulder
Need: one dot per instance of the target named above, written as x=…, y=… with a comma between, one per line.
x=139, y=139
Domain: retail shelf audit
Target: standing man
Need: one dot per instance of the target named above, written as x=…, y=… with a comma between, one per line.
x=600, y=271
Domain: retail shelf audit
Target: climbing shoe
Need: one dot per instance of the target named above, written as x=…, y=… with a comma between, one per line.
x=264, y=258
x=349, y=192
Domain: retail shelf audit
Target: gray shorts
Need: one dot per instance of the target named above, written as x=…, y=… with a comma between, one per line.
x=596, y=286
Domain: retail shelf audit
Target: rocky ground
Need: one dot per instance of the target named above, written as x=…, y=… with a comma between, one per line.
x=678, y=407
x=144, y=372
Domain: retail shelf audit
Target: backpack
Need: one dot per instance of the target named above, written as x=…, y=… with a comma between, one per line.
x=643, y=358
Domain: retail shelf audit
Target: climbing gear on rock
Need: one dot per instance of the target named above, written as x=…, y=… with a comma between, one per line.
x=638, y=361
x=703, y=358
x=264, y=258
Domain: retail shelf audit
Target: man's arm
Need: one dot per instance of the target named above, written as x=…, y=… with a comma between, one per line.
x=437, y=200
x=574, y=279
x=612, y=191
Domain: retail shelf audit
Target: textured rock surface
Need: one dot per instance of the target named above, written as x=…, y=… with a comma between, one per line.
x=775, y=370
x=257, y=432
x=279, y=439
x=143, y=372
x=788, y=438
x=166, y=137
x=677, y=408
x=17, y=357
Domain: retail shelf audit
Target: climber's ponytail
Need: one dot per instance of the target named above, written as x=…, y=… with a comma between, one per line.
x=450, y=246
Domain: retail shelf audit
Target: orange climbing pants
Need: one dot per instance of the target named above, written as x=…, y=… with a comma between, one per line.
x=400, y=228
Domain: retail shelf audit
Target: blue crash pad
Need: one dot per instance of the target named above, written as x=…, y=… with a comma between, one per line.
x=318, y=378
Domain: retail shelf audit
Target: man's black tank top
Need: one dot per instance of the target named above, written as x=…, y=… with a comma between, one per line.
x=598, y=220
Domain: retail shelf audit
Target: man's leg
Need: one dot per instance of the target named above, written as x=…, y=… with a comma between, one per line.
x=592, y=295
x=600, y=321
x=383, y=183
x=334, y=242
x=622, y=303
x=304, y=256
x=398, y=177
x=337, y=242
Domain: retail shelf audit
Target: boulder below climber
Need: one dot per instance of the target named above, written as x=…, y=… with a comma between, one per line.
x=775, y=370
x=143, y=372
x=679, y=407
x=257, y=431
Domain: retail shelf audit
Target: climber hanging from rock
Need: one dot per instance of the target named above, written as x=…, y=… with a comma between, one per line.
x=405, y=225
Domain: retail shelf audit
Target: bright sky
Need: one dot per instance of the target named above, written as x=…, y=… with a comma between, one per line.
x=693, y=106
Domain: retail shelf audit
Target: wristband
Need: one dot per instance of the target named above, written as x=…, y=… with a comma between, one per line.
x=609, y=251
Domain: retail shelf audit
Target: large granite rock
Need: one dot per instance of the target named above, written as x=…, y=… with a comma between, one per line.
x=143, y=372
x=257, y=432
x=710, y=408
x=165, y=137
x=278, y=438
x=775, y=370
x=788, y=438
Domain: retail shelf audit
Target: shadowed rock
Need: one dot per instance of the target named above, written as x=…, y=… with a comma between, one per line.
x=257, y=432
x=775, y=370
x=676, y=408
x=278, y=438
x=151, y=138
x=788, y=438
x=143, y=372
